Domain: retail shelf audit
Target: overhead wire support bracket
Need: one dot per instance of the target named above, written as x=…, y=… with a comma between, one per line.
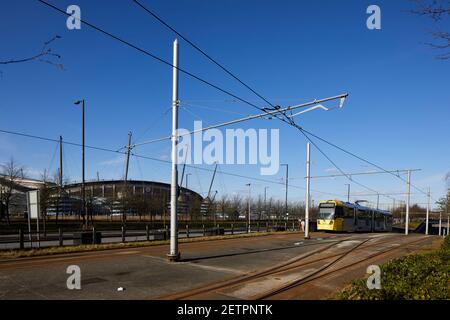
x=261, y=115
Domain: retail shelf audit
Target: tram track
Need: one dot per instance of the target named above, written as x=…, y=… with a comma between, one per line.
x=237, y=280
x=292, y=264
x=316, y=275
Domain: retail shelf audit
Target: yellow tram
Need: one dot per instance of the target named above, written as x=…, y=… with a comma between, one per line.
x=339, y=216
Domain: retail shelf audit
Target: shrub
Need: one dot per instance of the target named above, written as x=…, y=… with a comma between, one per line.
x=413, y=277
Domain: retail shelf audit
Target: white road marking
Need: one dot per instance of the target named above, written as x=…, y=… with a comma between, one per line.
x=202, y=266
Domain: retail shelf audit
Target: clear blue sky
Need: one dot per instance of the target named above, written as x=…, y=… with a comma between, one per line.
x=397, y=114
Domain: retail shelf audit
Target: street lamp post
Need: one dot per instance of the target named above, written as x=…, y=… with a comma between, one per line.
x=286, y=186
x=83, y=190
x=265, y=201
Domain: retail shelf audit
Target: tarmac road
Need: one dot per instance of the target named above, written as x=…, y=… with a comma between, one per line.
x=145, y=272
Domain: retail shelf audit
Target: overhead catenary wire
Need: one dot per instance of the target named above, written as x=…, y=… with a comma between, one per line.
x=148, y=53
x=272, y=113
x=287, y=120
x=290, y=120
x=362, y=159
x=164, y=61
x=50, y=166
x=151, y=158
x=201, y=51
x=186, y=104
x=154, y=124
x=168, y=63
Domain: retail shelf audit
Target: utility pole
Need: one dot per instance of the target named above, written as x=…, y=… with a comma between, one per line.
x=83, y=189
x=174, y=254
x=348, y=191
x=249, y=206
x=408, y=198
x=60, y=173
x=428, y=211
x=125, y=179
x=60, y=162
x=127, y=160
x=83, y=186
x=378, y=200
x=308, y=186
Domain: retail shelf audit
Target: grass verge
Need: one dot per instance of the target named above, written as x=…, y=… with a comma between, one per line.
x=423, y=276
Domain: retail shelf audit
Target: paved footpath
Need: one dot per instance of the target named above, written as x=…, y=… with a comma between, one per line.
x=145, y=273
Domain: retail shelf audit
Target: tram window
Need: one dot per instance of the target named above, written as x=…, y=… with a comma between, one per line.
x=326, y=211
x=348, y=212
x=361, y=214
x=339, y=213
x=376, y=216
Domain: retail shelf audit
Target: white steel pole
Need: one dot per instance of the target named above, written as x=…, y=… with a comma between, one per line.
x=448, y=221
x=448, y=217
x=249, y=207
x=174, y=254
x=308, y=185
x=440, y=223
x=428, y=212
x=407, y=202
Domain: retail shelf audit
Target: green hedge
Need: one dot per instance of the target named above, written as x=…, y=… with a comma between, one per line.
x=413, y=277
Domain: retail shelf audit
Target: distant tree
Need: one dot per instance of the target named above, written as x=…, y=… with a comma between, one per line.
x=57, y=198
x=259, y=206
x=236, y=205
x=437, y=10
x=45, y=197
x=223, y=205
x=11, y=172
x=194, y=208
x=444, y=202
